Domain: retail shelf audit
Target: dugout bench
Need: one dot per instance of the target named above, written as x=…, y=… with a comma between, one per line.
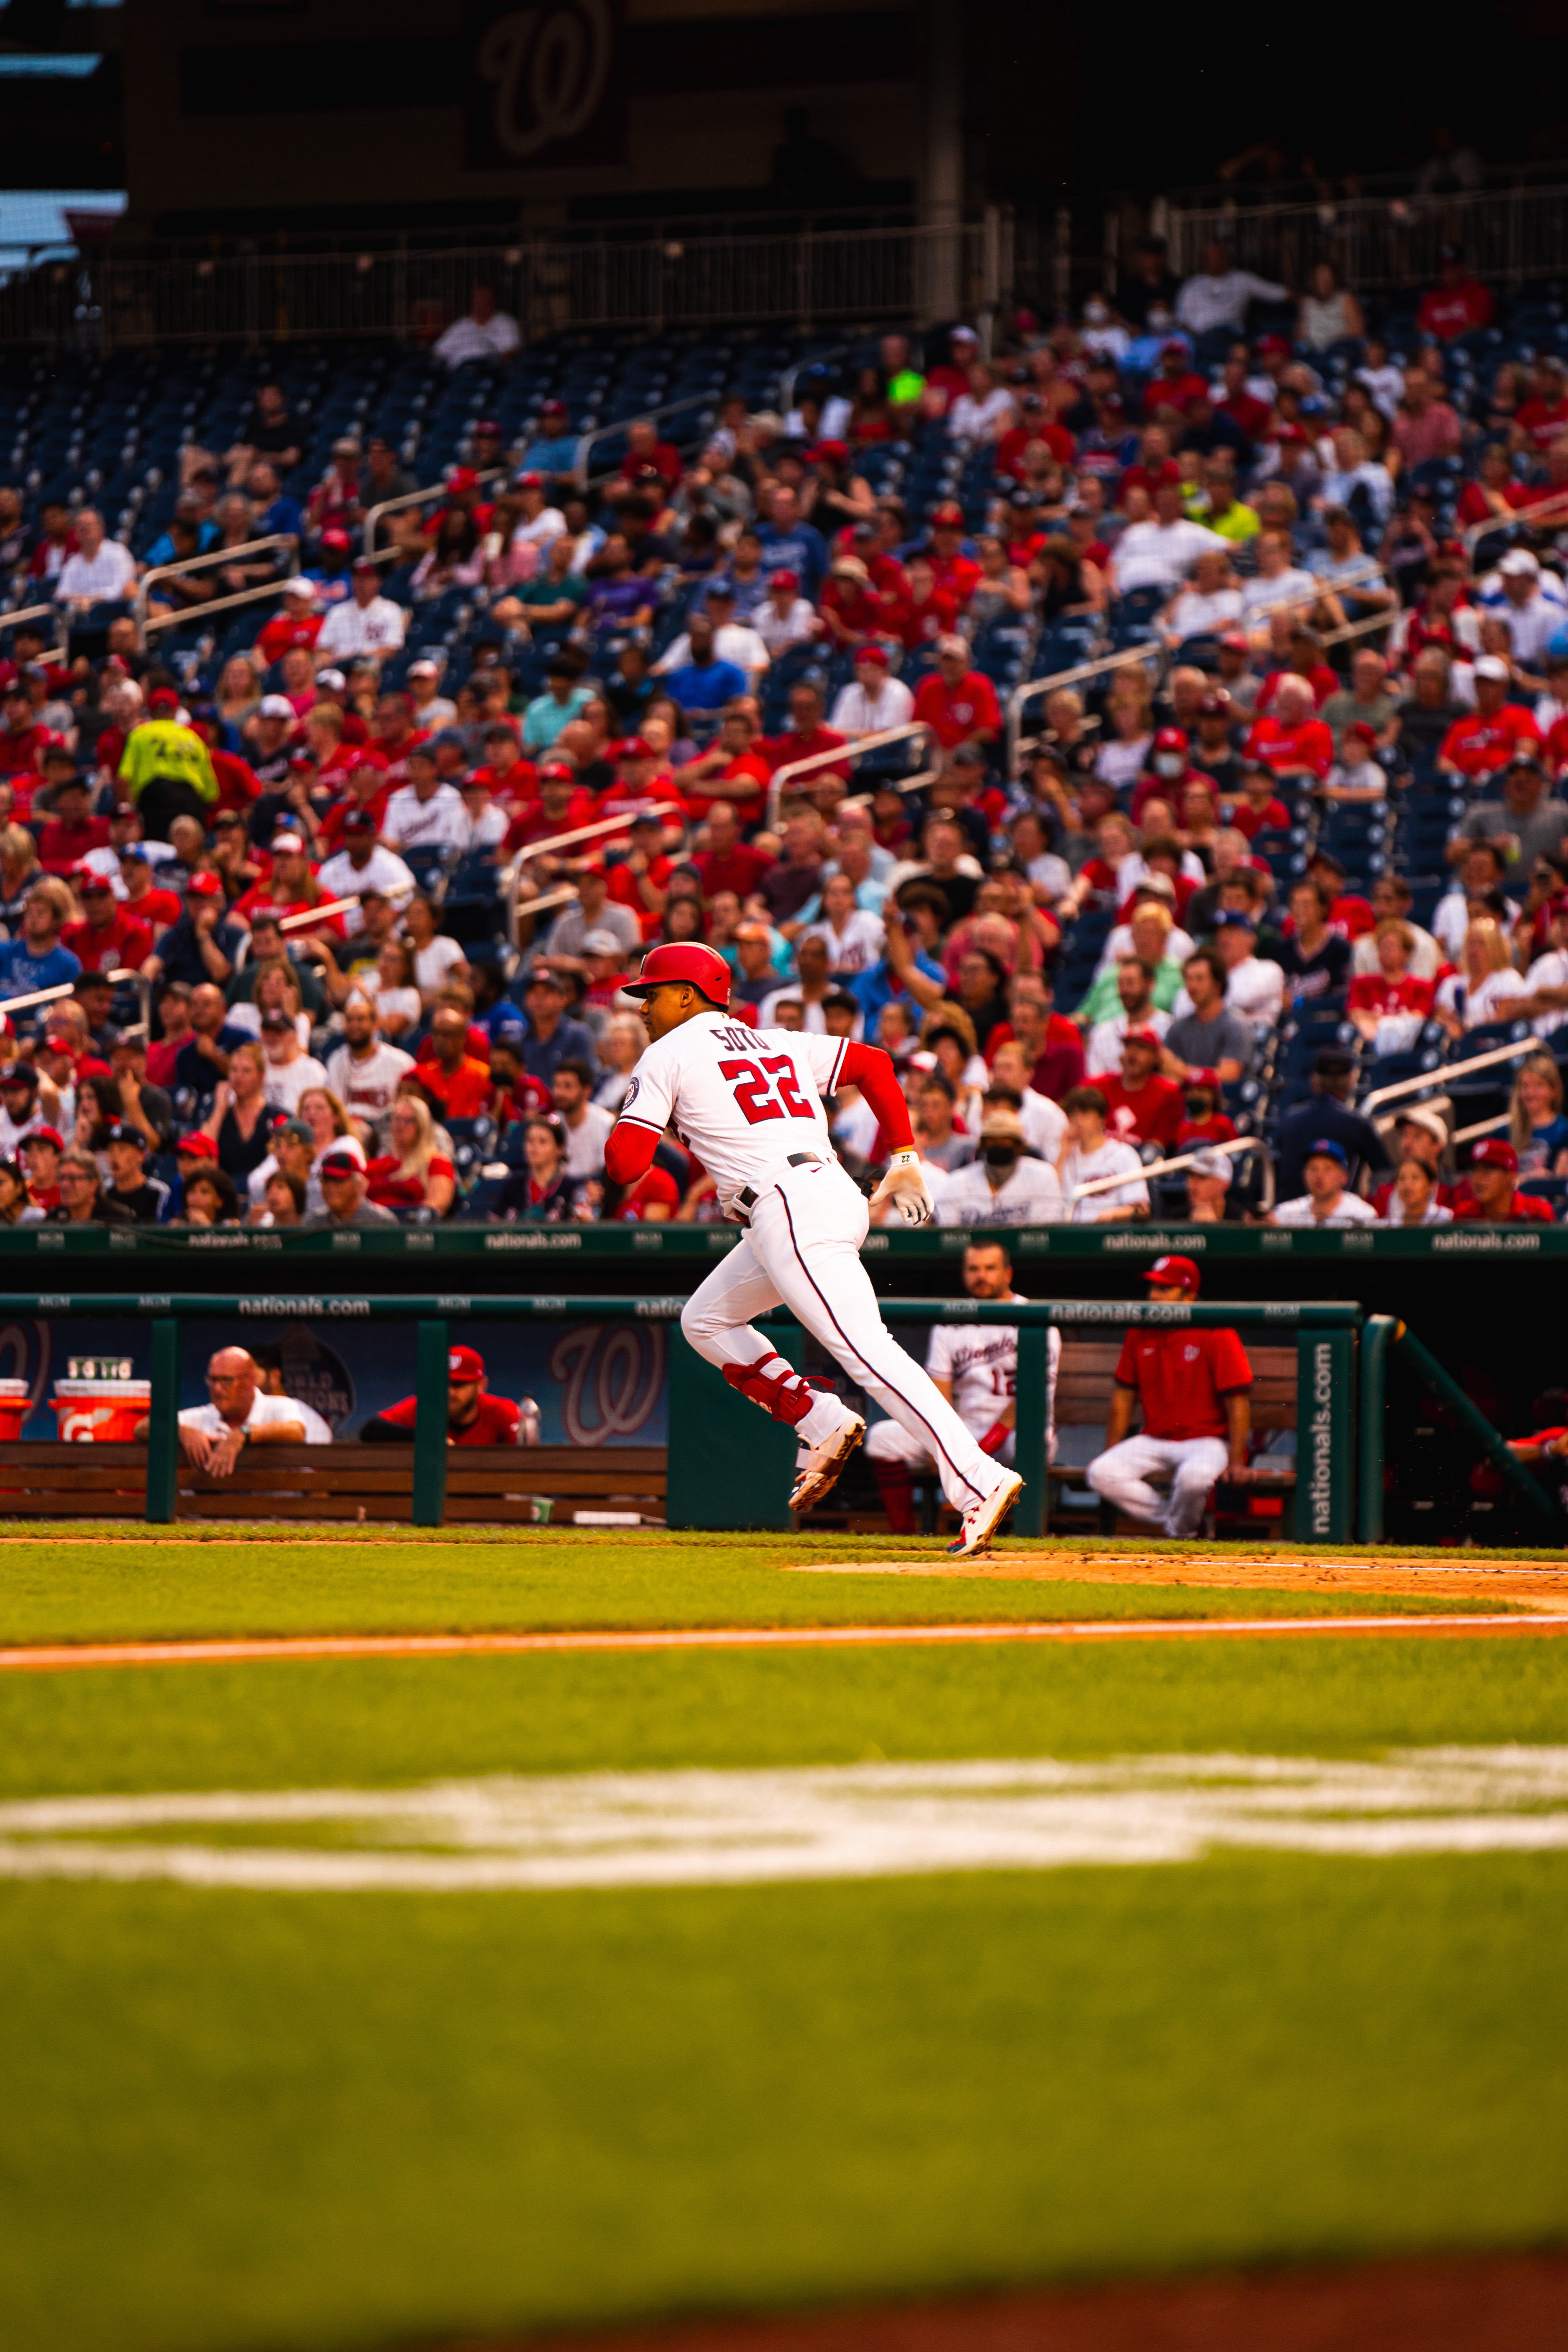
x=726, y=1467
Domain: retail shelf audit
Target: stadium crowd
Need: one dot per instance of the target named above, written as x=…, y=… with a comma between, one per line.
x=337, y=899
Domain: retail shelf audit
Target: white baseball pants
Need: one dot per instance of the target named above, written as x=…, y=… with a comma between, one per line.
x=890, y=1441
x=1122, y=1476
x=801, y=1250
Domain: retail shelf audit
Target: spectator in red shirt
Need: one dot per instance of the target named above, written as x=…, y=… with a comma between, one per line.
x=72, y=831
x=1458, y=303
x=1053, y=1044
x=733, y=775
x=641, y=881
x=1392, y=989
x=1176, y=382
x=646, y=453
x=367, y=789
x=849, y=604
x=653, y=1200
x=473, y=1417
x=925, y=611
x=1155, y=467
x=1139, y=1106
x=157, y=908
x=807, y=736
x=1036, y=430
x=957, y=572
x=1495, y=732
x=1245, y=410
x=456, y=1082
x=108, y=938
x=298, y=623
x=561, y=807
x=1290, y=741
x=1495, y=496
x=959, y=704
x=1494, y=1197
x=1260, y=809
x=728, y=863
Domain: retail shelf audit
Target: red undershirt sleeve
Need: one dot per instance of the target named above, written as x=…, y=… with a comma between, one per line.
x=867, y=1067
x=628, y=1150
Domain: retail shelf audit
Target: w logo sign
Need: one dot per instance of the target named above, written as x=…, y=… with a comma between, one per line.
x=541, y=77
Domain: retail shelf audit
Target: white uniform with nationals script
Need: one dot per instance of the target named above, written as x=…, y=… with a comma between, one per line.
x=748, y=1102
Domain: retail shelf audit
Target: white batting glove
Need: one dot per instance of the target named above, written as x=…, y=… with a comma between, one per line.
x=905, y=1185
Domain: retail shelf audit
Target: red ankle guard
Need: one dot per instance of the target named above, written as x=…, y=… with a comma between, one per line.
x=783, y=1395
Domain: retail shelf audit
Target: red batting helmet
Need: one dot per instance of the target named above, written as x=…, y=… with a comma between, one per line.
x=684, y=960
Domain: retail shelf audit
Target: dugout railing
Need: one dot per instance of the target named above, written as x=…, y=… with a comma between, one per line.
x=726, y=1467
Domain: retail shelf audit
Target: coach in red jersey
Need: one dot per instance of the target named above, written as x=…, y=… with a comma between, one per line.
x=1193, y=1387
x=473, y=1417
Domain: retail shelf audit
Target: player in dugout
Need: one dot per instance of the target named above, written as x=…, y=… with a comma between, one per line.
x=1194, y=1390
x=975, y=1368
x=473, y=1416
x=748, y=1103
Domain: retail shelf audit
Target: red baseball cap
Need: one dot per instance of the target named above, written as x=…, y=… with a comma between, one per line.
x=1180, y=1272
x=1171, y=738
x=462, y=477
x=1495, y=1153
x=632, y=747
x=1209, y=1078
x=52, y=1135
x=195, y=1146
x=1362, y=731
x=678, y=960
x=528, y=482
x=162, y=697
x=948, y=516
x=465, y=1364
x=203, y=885
x=1142, y=1037
x=837, y=451
x=335, y=538
x=878, y=654
x=785, y=580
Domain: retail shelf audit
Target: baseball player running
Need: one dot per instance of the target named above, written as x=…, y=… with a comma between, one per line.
x=975, y=1366
x=748, y=1103
x=1197, y=1413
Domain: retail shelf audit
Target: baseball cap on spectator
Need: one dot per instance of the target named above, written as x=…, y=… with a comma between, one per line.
x=195, y=1146
x=300, y=586
x=784, y=579
x=1522, y=761
x=953, y=648
x=1180, y=1273
x=1234, y=641
x=962, y=335
x=553, y=408
x=161, y=699
x=876, y=655
x=465, y=1364
x=1431, y=1121
x=52, y=1135
x=1216, y=705
x=1518, y=563
x=286, y=845
x=719, y=592
x=340, y=1161
x=1363, y=731
x=540, y=975
x=1024, y=501
x=835, y=452
x=948, y=516
x=1196, y=1078
x=742, y=931
x=1325, y=1148
x=447, y=739
x=275, y=705
x=345, y=445
x=203, y=885
x=357, y=821
x=462, y=477
x=274, y=1022
x=633, y=746
x=1232, y=918
x=1488, y=666
x=601, y=943
x=91, y=883
x=1214, y=1164
x=122, y=1132
x=418, y=669
x=295, y=1127
x=18, y=1073
x=1142, y=1037
x=334, y=538
x=850, y=567
x=1001, y=1120
x=1171, y=738
x=1493, y=1153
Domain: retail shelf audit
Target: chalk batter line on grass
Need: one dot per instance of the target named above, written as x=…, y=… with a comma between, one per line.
x=67, y=1656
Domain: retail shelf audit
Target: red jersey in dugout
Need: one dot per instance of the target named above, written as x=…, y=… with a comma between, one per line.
x=495, y=1423
x=1181, y=1376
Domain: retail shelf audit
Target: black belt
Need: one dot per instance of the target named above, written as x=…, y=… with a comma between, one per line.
x=750, y=1196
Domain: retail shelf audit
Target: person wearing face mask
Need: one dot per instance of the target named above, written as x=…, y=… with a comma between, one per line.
x=1001, y=1186
x=1104, y=335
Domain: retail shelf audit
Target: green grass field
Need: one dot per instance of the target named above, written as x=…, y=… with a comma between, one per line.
x=296, y=2116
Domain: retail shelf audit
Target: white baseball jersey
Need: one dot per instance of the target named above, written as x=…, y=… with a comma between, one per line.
x=981, y=1362
x=745, y=1100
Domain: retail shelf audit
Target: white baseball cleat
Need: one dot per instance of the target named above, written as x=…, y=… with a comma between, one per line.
x=818, y=1474
x=982, y=1519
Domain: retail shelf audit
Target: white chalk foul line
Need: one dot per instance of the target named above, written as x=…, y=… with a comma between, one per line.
x=603, y=1830
x=64, y=1657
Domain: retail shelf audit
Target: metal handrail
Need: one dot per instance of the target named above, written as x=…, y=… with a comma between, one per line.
x=553, y=841
x=50, y=612
x=203, y=563
x=852, y=749
x=1447, y=1071
x=406, y=498
x=1163, y=653
x=646, y=416
x=1552, y=510
x=1233, y=1147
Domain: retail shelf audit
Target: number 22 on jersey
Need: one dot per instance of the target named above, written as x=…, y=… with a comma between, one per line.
x=766, y=1088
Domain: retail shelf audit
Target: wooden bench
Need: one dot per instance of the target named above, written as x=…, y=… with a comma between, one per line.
x=350, y=1482
x=1084, y=1384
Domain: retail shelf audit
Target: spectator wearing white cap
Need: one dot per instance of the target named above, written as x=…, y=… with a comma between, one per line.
x=298, y=623
x=1001, y=1186
x=1209, y=1179
x=876, y=700
x=366, y=625
x=1531, y=600
x=431, y=709
x=1326, y=1201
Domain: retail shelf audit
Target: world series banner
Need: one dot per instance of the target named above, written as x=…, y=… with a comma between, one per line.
x=594, y=1384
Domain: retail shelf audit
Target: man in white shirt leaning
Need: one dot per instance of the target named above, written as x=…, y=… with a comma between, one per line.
x=101, y=571
x=366, y=625
x=1161, y=553
x=876, y=700
x=213, y=1436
